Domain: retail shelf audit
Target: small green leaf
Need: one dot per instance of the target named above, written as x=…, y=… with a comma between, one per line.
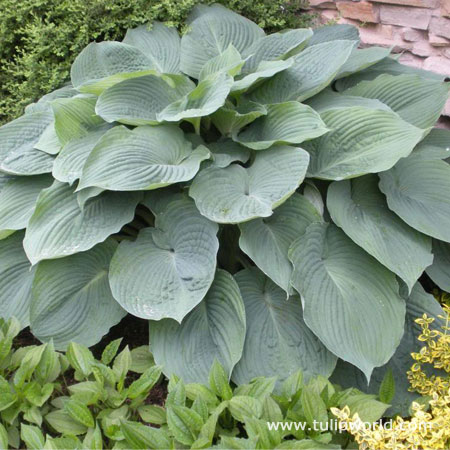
x=141, y=359
x=110, y=351
x=184, y=423
x=32, y=436
x=177, y=393
x=313, y=406
x=218, y=381
x=93, y=439
x=80, y=412
x=387, y=387
x=145, y=382
x=80, y=358
x=243, y=406
x=368, y=408
x=141, y=436
x=121, y=365
x=195, y=390
x=3, y=438
x=153, y=414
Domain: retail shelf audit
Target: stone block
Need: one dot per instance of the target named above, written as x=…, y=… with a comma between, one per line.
x=412, y=35
x=445, y=8
x=417, y=3
x=424, y=49
x=440, y=26
x=438, y=64
x=362, y=11
x=438, y=41
x=405, y=16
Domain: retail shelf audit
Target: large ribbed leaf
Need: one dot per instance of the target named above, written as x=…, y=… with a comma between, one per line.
x=226, y=151
x=206, y=98
x=229, y=62
x=363, y=141
x=72, y=300
x=139, y=101
x=360, y=209
x=158, y=43
x=329, y=33
x=419, y=192
x=362, y=58
x=285, y=123
x=211, y=30
x=69, y=163
x=278, y=342
x=16, y=277
x=167, y=271
x=44, y=103
x=417, y=100
x=17, y=200
x=49, y=141
x=278, y=232
x=313, y=70
x=17, y=145
x=75, y=117
x=59, y=227
x=439, y=272
x=350, y=301
x=214, y=329
x=144, y=158
x=101, y=65
x=346, y=375
x=436, y=145
x=265, y=69
x=235, y=194
x=230, y=119
x=274, y=47
x=385, y=66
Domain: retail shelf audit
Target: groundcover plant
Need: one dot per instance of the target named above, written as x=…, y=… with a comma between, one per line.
x=269, y=201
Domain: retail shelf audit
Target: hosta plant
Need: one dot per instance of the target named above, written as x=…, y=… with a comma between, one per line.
x=267, y=200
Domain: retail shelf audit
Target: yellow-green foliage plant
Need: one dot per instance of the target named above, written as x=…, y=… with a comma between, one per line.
x=429, y=425
x=40, y=39
x=265, y=199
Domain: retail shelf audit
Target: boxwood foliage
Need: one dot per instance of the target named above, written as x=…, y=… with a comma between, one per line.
x=40, y=39
x=269, y=201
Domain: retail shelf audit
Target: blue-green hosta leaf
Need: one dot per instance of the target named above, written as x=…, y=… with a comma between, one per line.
x=386, y=66
x=167, y=271
x=360, y=209
x=69, y=163
x=329, y=33
x=362, y=141
x=49, y=141
x=235, y=194
x=439, y=271
x=44, y=103
x=361, y=58
x=417, y=100
x=209, y=95
x=16, y=278
x=436, y=145
x=419, y=192
x=211, y=30
x=17, y=145
x=230, y=119
x=346, y=375
x=265, y=69
x=288, y=222
x=17, y=200
x=225, y=152
x=313, y=70
x=285, y=123
x=59, y=227
x=350, y=301
x=75, y=117
x=158, y=43
x=278, y=342
x=138, y=101
x=141, y=159
x=229, y=62
x=274, y=47
x=214, y=329
x=103, y=64
x=72, y=300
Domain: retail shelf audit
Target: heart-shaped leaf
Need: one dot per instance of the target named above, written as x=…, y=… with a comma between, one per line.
x=214, y=329
x=167, y=271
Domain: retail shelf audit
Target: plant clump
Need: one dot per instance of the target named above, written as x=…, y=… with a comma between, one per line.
x=266, y=200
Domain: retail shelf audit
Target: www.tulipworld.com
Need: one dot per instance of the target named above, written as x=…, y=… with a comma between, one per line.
x=336, y=425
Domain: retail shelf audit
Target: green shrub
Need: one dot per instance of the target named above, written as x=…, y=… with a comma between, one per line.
x=184, y=203
x=53, y=400
x=39, y=39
